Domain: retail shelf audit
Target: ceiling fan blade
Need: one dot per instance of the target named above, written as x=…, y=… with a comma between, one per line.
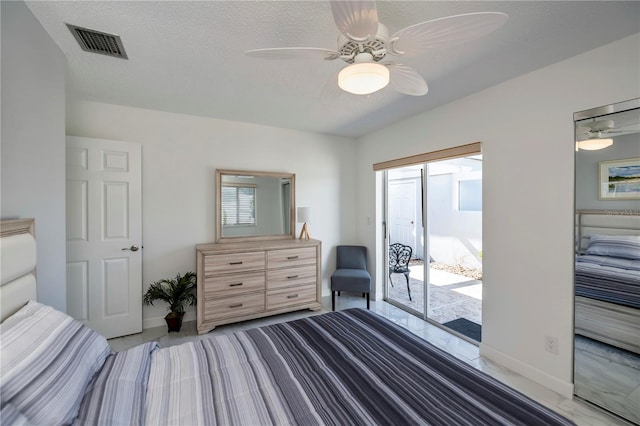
x=629, y=128
x=406, y=80
x=444, y=32
x=294, y=53
x=357, y=19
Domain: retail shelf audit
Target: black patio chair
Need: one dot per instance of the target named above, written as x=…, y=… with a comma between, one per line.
x=399, y=257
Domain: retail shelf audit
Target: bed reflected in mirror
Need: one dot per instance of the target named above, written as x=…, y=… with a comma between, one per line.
x=607, y=267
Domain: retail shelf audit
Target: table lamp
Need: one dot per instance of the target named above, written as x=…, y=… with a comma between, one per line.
x=304, y=216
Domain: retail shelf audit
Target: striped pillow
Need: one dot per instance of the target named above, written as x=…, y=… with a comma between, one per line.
x=613, y=262
x=48, y=359
x=624, y=246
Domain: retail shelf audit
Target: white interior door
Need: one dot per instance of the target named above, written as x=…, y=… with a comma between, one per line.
x=104, y=235
x=402, y=212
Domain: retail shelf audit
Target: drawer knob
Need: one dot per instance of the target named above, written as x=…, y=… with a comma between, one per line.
x=235, y=263
x=237, y=305
x=235, y=284
x=290, y=277
x=292, y=296
x=292, y=257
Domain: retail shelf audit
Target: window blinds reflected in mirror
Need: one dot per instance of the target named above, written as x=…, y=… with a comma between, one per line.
x=254, y=205
x=238, y=205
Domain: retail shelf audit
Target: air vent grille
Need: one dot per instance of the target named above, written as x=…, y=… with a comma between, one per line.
x=98, y=42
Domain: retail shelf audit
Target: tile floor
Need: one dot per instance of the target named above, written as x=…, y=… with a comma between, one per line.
x=581, y=413
x=608, y=376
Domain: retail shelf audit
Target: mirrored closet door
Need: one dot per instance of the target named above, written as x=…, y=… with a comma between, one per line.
x=607, y=267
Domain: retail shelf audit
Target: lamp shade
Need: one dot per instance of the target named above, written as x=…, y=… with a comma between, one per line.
x=304, y=214
x=594, y=144
x=363, y=78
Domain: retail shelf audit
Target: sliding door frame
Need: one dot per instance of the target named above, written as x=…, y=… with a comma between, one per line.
x=423, y=159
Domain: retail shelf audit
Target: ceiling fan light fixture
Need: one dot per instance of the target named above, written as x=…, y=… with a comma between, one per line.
x=363, y=78
x=594, y=144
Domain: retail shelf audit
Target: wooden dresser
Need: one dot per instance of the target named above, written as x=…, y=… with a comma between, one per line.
x=242, y=281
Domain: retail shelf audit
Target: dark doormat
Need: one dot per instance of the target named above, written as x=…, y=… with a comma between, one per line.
x=466, y=327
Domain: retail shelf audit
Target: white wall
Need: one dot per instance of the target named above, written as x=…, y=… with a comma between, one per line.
x=455, y=235
x=180, y=154
x=526, y=127
x=32, y=149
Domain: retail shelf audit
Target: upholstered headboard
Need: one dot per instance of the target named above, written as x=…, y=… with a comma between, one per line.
x=606, y=222
x=17, y=265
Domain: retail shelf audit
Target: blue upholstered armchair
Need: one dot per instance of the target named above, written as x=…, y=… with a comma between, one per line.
x=351, y=272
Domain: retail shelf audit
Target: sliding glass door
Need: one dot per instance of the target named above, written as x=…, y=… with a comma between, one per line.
x=454, y=235
x=434, y=242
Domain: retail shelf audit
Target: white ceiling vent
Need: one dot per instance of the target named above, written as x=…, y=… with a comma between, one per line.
x=98, y=42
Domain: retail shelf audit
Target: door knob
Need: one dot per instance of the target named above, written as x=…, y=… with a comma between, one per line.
x=132, y=248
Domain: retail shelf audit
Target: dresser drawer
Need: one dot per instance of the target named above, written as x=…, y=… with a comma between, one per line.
x=236, y=262
x=234, y=306
x=291, y=257
x=291, y=296
x=228, y=285
x=278, y=278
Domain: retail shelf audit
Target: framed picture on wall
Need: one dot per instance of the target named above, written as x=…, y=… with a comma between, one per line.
x=620, y=179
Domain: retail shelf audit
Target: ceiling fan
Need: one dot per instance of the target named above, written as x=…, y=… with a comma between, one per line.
x=592, y=136
x=597, y=128
x=365, y=45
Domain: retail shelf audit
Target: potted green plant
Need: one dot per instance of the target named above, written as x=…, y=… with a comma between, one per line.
x=177, y=292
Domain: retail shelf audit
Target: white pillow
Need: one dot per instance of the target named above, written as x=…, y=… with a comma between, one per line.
x=48, y=359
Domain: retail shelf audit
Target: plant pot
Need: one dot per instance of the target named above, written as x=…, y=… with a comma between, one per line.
x=174, y=321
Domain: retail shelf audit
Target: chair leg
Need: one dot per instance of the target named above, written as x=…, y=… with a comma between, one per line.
x=333, y=300
x=408, y=288
x=390, y=280
x=338, y=293
x=367, y=301
x=363, y=294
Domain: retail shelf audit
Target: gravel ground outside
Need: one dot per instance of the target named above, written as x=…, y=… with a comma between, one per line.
x=474, y=274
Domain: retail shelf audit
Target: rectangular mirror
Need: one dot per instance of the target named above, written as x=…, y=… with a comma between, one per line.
x=607, y=267
x=254, y=205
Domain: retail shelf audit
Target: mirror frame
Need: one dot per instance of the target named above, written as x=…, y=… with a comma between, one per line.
x=218, y=216
x=597, y=324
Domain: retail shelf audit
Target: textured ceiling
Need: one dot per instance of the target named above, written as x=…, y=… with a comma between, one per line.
x=187, y=57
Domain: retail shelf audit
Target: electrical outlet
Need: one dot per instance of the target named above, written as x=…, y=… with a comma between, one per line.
x=551, y=344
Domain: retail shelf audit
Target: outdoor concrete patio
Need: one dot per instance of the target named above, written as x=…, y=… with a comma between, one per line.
x=451, y=296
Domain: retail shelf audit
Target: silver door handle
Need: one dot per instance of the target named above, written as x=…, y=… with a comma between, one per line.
x=132, y=248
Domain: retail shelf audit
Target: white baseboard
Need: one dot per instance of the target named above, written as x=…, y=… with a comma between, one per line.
x=559, y=386
x=159, y=321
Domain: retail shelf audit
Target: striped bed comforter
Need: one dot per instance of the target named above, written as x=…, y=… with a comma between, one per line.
x=347, y=367
x=598, y=278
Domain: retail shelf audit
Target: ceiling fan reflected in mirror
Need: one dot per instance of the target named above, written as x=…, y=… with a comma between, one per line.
x=592, y=136
x=365, y=45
